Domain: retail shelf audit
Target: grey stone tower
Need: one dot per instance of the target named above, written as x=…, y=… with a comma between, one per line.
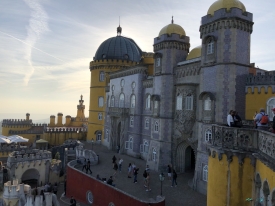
x=225, y=57
x=170, y=47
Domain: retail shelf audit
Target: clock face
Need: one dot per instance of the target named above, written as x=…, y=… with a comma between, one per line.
x=133, y=85
x=122, y=82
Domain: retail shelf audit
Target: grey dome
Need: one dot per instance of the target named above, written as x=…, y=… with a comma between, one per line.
x=119, y=47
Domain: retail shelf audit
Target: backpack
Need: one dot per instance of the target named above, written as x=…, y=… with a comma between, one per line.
x=264, y=119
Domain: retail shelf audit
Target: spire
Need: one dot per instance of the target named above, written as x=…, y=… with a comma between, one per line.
x=172, y=20
x=119, y=29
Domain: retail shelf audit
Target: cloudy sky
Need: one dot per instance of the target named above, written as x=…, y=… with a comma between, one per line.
x=46, y=45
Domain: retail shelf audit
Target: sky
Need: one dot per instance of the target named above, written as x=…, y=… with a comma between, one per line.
x=46, y=46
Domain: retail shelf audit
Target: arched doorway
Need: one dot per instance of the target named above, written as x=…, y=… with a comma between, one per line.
x=31, y=177
x=190, y=159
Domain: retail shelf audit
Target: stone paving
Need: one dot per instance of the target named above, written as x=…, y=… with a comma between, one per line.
x=182, y=195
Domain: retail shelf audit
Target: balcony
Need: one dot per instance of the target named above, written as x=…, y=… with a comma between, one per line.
x=244, y=140
x=118, y=112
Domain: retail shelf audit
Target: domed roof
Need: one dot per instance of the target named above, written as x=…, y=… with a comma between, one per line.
x=120, y=48
x=226, y=4
x=194, y=53
x=172, y=29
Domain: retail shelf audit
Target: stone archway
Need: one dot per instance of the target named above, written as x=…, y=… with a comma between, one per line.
x=31, y=177
x=185, y=158
x=190, y=159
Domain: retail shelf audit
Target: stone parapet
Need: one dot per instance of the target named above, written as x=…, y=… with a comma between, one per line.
x=266, y=78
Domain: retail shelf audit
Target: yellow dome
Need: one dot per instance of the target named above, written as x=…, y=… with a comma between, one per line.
x=226, y=4
x=194, y=53
x=172, y=29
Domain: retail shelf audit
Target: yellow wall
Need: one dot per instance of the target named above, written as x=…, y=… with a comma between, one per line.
x=5, y=130
x=58, y=138
x=256, y=101
x=266, y=174
x=229, y=184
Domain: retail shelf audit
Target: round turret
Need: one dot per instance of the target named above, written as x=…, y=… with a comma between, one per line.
x=225, y=4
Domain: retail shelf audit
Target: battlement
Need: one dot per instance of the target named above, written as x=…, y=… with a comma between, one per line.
x=266, y=78
x=16, y=122
x=13, y=190
x=65, y=129
x=172, y=37
x=225, y=14
x=94, y=64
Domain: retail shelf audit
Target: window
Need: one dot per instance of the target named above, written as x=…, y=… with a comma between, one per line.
x=205, y=173
x=122, y=83
x=98, y=136
x=144, y=147
x=100, y=101
x=189, y=102
x=208, y=135
x=112, y=101
x=156, y=127
x=148, y=101
x=158, y=62
x=179, y=102
x=99, y=116
x=146, y=123
x=121, y=100
x=131, y=121
x=207, y=104
x=101, y=76
x=154, y=154
x=210, y=47
x=133, y=101
x=270, y=106
x=129, y=143
x=156, y=105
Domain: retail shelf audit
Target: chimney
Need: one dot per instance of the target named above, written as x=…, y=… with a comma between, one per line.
x=52, y=121
x=27, y=116
x=68, y=120
x=59, y=119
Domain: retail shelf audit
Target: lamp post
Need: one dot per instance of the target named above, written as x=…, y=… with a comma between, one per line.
x=161, y=178
x=92, y=143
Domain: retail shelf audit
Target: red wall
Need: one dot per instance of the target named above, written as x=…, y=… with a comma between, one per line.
x=78, y=184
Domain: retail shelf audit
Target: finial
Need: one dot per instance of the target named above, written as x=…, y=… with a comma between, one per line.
x=81, y=96
x=119, y=29
x=172, y=20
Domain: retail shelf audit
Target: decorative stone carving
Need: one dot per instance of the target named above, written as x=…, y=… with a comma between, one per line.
x=214, y=154
x=220, y=156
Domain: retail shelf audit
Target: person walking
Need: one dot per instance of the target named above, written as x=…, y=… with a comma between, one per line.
x=84, y=165
x=261, y=120
x=72, y=201
x=129, y=170
x=115, y=168
x=135, y=174
x=272, y=129
x=148, y=182
x=145, y=176
x=169, y=172
x=120, y=164
x=174, y=181
x=114, y=160
x=88, y=168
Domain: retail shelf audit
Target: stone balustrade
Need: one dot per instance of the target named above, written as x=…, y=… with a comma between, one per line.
x=88, y=154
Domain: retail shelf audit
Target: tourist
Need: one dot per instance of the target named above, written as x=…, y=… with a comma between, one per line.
x=72, y=201
x=88, y=168
x=147, y=168
x=84, y=165
x=237, y=119
x=65, y=187
x=145, y=176
x=110, y=181
x=272, y=129
x=120, y=164
x=117, y=148
x=42, y=194
x=169, y=171
x=129, y=170
x=174, y=181
x=114, y=160
x=230, y=120
x=115, y=168
x=135, y=174
x=148, y=182
x=55, y=188
x=261, y=120
x=133, y=167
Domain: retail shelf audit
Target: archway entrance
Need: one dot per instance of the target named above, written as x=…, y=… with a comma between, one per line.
x=31, y=177
x=190, y=159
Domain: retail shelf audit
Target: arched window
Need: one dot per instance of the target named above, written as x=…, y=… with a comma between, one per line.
x=207, y=104
x=131, y=121
x=270, y=105
x=148, y=101
x=112, y=101
x=121, y=100
x=99, y=116
x=98, y=135
x=100, y=101
x=189, y=102
x=205, y=173
x=145, y=147
x=156, y=127
x=210, y=46
x=208, y=135
x=101, y=76
x=131, y=143
x=133, y=101
x=179, y=102
x=146, y=123
x=154, y=154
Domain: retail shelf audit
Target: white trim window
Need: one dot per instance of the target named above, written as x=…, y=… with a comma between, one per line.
x=131, y=121
x=112, y=104
x=101, y=76
x=208, y=135
x=154, y=154
x=270, y=105
x=205, y=173
x=148, y=101
x=146, y=123
x=144, y=147
x=133, y=101
x=100, y=116
x=156, y=126
x=121, y=100
x=100, y=101
x=207, y=104
x=98, y=136
x=179, y=102
x=129, y=143
x=189, y=102
x=210, y=47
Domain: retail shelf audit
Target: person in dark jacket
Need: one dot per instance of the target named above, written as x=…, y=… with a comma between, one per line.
x=72, y=201
x=174, y=180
